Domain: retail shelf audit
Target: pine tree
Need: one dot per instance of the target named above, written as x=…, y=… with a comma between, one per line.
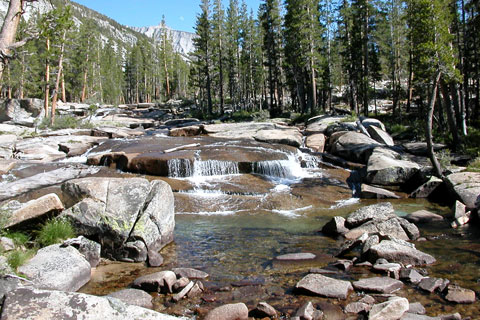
x=218, y=32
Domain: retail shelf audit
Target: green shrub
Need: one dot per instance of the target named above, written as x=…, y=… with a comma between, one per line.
x=474, y=165
x=65, y=122
x=20, y=239
x=55, y=231
x=17, y=258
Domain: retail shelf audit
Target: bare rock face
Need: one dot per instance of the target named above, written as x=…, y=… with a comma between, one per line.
x=27, y=303
x=237, y=311
x=324, y=286
x=130, y=217
x=56, y=268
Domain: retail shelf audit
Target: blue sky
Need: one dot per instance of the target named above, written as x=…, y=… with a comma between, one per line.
x=179, y=14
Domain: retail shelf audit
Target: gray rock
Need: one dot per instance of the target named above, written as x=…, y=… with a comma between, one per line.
x=392, y=227
x=378, y=284
x=5, y=267
x=368, y=122
x=387, y=168
x=380, y=135
x=423, y=216
x=466, y=186
x=393, y=309
x=134, y=296
x=376, y=212
x=420, y=148
x=461, y=216
x=316, y=142
x=7, y=147
x=288, y=136
x=308, y=312
x=410, y=229
x=426, y=189
x=57, y=268
x=342, y=264
x=245, y=130
x=237, y=311
x=416, y=308
x=371, y=241
x=400, y=253
x=391, y=269
x=155, y=259
x=88, y=248
x=296, y=256
x=335, y=227
x=121, y=212
x=367, y=299
x=8, y=284
x=433, y=284
x=357, y=307
x=190, y=273
x=162, y=281
x=320, y=124
x=324, y=286
x=196, y=290
x=263, y=310
x=6, y=244
x=410, y=275
x=180, y=284
x=183, y=293
x=188, y=131
x=42, y=304
x=354, y=146
x=25, y=112
x=370, y=192
x=458, y=294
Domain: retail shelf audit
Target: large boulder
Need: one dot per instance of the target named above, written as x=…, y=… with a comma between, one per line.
x=353, y=146
x=130, y=217
x=57, y=268
x=27, y=303
x=466, y=186
x=25, y=112
x=380, y=135
x=316, y=142
x=320, y=124
x=386, y=167
x=288, y=136
x=376, y=212
x=398, y=252
x=324, y=286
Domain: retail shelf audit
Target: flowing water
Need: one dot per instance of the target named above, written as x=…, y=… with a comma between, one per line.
x=232, y=222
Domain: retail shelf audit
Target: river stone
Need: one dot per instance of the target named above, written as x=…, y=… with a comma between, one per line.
x=307, y=312
x=399, y=253
x=378, y=284
x=386, y=168
x=335, y=227
x=391, y=269
x=162, y=281
x=457, y=294
x=357, y=307
x=196, y=290
x=416, y=308
x=263, y=310
x=134, y=296
x=426, y=189
x=237, y=311
x=91, y=250
x=180, y=284
x=393, y=309
x=288, y=136
x=324, y=286
x=466, y=185
x=190, y=273
x=57, y=268
x=410, y=275
x=371, y=192
x=179, y=296
x=296, y=256
x=25, y=112
x=122, y=211
x=423, y=216
x=432, y=284
x=380, y=135
x=376, y=212
x=28, y=303
x=42, y=180
x=413, y=316
x=35, y=209
x=354, y=146
x=316, y=142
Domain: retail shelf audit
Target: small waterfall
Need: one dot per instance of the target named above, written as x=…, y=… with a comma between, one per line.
x=178, y=168
x=290, y=169
x=214, y=168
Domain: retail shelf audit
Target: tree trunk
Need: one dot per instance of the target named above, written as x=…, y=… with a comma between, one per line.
x=450, y=114
x=47, y=78
x=85, y=77
x=59, y=77
x=429, y=124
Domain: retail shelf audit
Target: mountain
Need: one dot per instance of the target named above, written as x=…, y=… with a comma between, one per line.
x=109, y=28
x=182, y=41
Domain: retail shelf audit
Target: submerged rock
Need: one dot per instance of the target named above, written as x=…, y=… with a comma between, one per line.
x=423, y=216
x=324, y=286
x=378, y=284
x=296, y=256
x=370, y=192
x=263, y=310
x=57, y=268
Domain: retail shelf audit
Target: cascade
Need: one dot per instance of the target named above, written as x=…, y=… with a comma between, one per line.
x=178, y=168
x=290, y=169
x=214, y=168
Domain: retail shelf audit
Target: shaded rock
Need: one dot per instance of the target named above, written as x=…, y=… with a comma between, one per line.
x=237, y=311
x=393, y=309
x=349, y=245
x=296, y=256
x=162, y=281
x=400, y=253
x=421, y=149
x=410, y=228
x=190, y=273
x=25, y=112
x=354, y=146
x=458, y=294
x=324, y=286
x=378, y=284
x=391, y=269
x=189, y=131
x=6, y=244
x=35, y=209
x=426, y=189
x=288, y=136
x=466, y=186
x=380, y=135
x=116, y=132
x=57, y=268
x=316, y=142
x=371, y=241
x=411, y=275
x=386, y=167
x=308, y=312
x=367, y=299
x=180, y=284
x=180, y=122
x=42, y=180
x=155, y=259
x=196, y=290
x=370, y=192
x=342, y=264
x=357, y=307
x=341, y=127
x=263, y=310
x=134, y=296
x=27, y=303
x=335, y=227
x=461, y=216
x=423, y=216
x=376, y=212
x=120, y=212
x=416, y=308
x=432, y=284
x=183, y=293
x=89, y=249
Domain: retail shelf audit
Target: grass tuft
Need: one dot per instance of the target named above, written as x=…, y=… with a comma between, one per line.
x=55, y=231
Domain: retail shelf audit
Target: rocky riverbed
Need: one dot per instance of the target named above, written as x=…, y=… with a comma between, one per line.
x=230, y=221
